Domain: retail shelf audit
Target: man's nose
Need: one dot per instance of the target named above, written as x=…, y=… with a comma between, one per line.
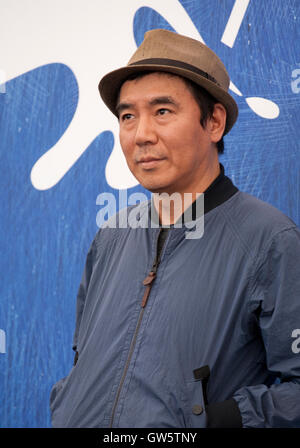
x=145, y=131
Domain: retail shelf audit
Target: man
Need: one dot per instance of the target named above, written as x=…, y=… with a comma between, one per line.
x=175, y=329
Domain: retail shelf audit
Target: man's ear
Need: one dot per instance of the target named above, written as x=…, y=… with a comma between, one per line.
x=217, y=122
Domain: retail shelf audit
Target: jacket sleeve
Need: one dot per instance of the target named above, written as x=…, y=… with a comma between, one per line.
x=275, y=299
x=82, y=291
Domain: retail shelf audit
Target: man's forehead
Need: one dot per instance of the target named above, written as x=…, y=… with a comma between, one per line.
x=152, y=87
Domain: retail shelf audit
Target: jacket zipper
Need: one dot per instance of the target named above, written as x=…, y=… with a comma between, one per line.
x=148, y=282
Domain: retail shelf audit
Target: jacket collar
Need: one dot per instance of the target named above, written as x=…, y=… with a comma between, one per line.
x=219, y=191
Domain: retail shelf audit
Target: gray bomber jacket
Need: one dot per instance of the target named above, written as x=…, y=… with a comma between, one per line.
x=175, y=332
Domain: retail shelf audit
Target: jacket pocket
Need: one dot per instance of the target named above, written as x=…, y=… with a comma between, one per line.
x=196, y=399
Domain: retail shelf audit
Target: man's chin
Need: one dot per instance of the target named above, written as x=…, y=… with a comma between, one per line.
x=152, y=186
x=155, y=189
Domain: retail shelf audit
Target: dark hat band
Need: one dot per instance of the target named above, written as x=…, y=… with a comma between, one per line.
x=174, y=63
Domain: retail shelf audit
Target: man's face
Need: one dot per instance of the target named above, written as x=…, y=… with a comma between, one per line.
x=164, y=144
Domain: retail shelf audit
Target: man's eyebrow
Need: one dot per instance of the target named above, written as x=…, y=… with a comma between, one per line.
x=163, y=100
x=153, y=102
x=122, y=106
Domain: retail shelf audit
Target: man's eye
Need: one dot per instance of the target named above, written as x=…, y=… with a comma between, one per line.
x=162, y=111
x=125, y=117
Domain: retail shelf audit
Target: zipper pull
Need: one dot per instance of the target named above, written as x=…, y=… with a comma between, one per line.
x=148, y=283
x=149, y=279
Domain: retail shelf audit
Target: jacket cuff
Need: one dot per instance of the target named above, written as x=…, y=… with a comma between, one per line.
x=225, y=414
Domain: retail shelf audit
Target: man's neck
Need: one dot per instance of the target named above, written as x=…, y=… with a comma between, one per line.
x=170, y=207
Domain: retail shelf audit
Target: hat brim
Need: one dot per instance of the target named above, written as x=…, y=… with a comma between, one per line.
x=111, y=83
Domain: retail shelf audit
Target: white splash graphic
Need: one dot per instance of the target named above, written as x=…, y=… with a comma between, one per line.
x=234, y=22
x=261, y=106
x=92, y=39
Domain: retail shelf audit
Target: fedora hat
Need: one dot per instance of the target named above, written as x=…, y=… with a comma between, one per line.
x=163, y=50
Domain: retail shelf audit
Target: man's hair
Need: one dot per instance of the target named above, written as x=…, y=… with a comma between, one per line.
x=203, y=98
x=206, y=104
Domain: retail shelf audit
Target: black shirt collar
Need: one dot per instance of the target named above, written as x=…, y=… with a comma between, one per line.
x=219, y=191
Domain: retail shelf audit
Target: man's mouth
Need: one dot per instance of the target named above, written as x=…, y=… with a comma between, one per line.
x=150, y=162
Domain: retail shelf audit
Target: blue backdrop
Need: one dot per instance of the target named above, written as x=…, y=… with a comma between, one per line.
x=45, y=234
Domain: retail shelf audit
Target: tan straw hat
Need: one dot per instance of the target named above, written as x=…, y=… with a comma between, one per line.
x=163, y=50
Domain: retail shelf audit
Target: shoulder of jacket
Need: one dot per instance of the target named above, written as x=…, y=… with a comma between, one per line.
x=254, y=221
x=253, y=212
